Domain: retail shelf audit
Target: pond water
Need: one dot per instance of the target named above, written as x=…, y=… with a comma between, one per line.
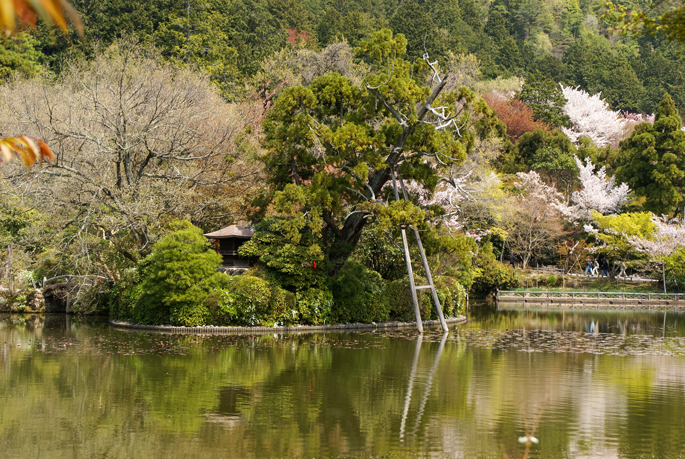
x=582, y=384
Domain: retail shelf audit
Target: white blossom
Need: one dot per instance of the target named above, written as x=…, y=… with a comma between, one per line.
x=538, y=189
x=637, y=117
x=449, y=195
x=590, y=229
x=598, y=193
x=666, y=238
x=591, y=117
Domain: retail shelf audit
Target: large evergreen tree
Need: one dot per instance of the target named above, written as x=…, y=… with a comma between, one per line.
x=653, y=160
x=544, y=96
x=332, y=145
x=421, y=33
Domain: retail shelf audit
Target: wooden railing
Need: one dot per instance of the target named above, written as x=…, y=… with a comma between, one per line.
x=590, y=295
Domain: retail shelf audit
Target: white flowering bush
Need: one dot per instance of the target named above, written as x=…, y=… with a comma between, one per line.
x=26, y=278
x=598, y=193
x=667, y=237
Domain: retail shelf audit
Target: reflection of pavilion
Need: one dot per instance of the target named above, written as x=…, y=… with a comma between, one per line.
x=228, y=412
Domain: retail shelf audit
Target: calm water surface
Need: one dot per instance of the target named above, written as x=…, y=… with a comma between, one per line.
x=583, y=384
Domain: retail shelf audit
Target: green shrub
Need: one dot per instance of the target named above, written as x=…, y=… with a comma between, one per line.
x=284, y=306
x=250, y=301
x=492, y=274
x=124, y=294
x=459, y=297
x=358, y=295
x=674, y=265
x=246, y=301
x=451, y=294
x=444, y=286
x=398, y=301
x=314, y=306
x=551, y=280
x=13, y=301
x=376, y=252
x=176, y=278
x=287, y=259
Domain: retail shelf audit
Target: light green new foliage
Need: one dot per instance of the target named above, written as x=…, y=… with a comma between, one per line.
x=674, y=266
x=18, y=55
x=177, y=277
x=614, y=230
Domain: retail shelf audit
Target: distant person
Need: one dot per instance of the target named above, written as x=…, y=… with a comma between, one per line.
x=512, y=260
x=595, y=268
x=588, y=269
x=605, y=268
x=622, y=273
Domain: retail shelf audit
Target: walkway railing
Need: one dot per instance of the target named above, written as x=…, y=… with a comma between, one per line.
x=513, y=294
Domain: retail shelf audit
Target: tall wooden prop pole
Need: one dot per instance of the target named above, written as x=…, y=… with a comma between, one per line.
x=407, y=258
x=430, y=281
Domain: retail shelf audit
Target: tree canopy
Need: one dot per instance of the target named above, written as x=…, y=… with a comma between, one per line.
x=332, y=145
x=653, y=160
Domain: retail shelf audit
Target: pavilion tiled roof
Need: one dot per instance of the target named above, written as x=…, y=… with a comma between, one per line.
x=231, y=231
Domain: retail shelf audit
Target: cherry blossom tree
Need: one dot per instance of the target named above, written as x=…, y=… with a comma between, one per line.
x=451, y=196
x=598, y=193
x=667, y=237
x=591, y=117
x=532, y=223
x=467, y=193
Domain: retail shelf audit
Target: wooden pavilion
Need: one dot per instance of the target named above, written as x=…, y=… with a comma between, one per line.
x=227, y=240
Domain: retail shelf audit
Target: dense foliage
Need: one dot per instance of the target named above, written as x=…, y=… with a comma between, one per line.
x=176, y=278
x=521, y=130
x=653, y=160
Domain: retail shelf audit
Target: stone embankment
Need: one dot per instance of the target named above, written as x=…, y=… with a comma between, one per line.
x=216, y=330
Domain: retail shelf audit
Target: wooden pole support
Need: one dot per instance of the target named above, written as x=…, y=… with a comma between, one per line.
x=407, y=258
x=430, y=281
x=414, y=298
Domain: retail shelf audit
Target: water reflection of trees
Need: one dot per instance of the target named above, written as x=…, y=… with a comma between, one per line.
x=331, y=395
